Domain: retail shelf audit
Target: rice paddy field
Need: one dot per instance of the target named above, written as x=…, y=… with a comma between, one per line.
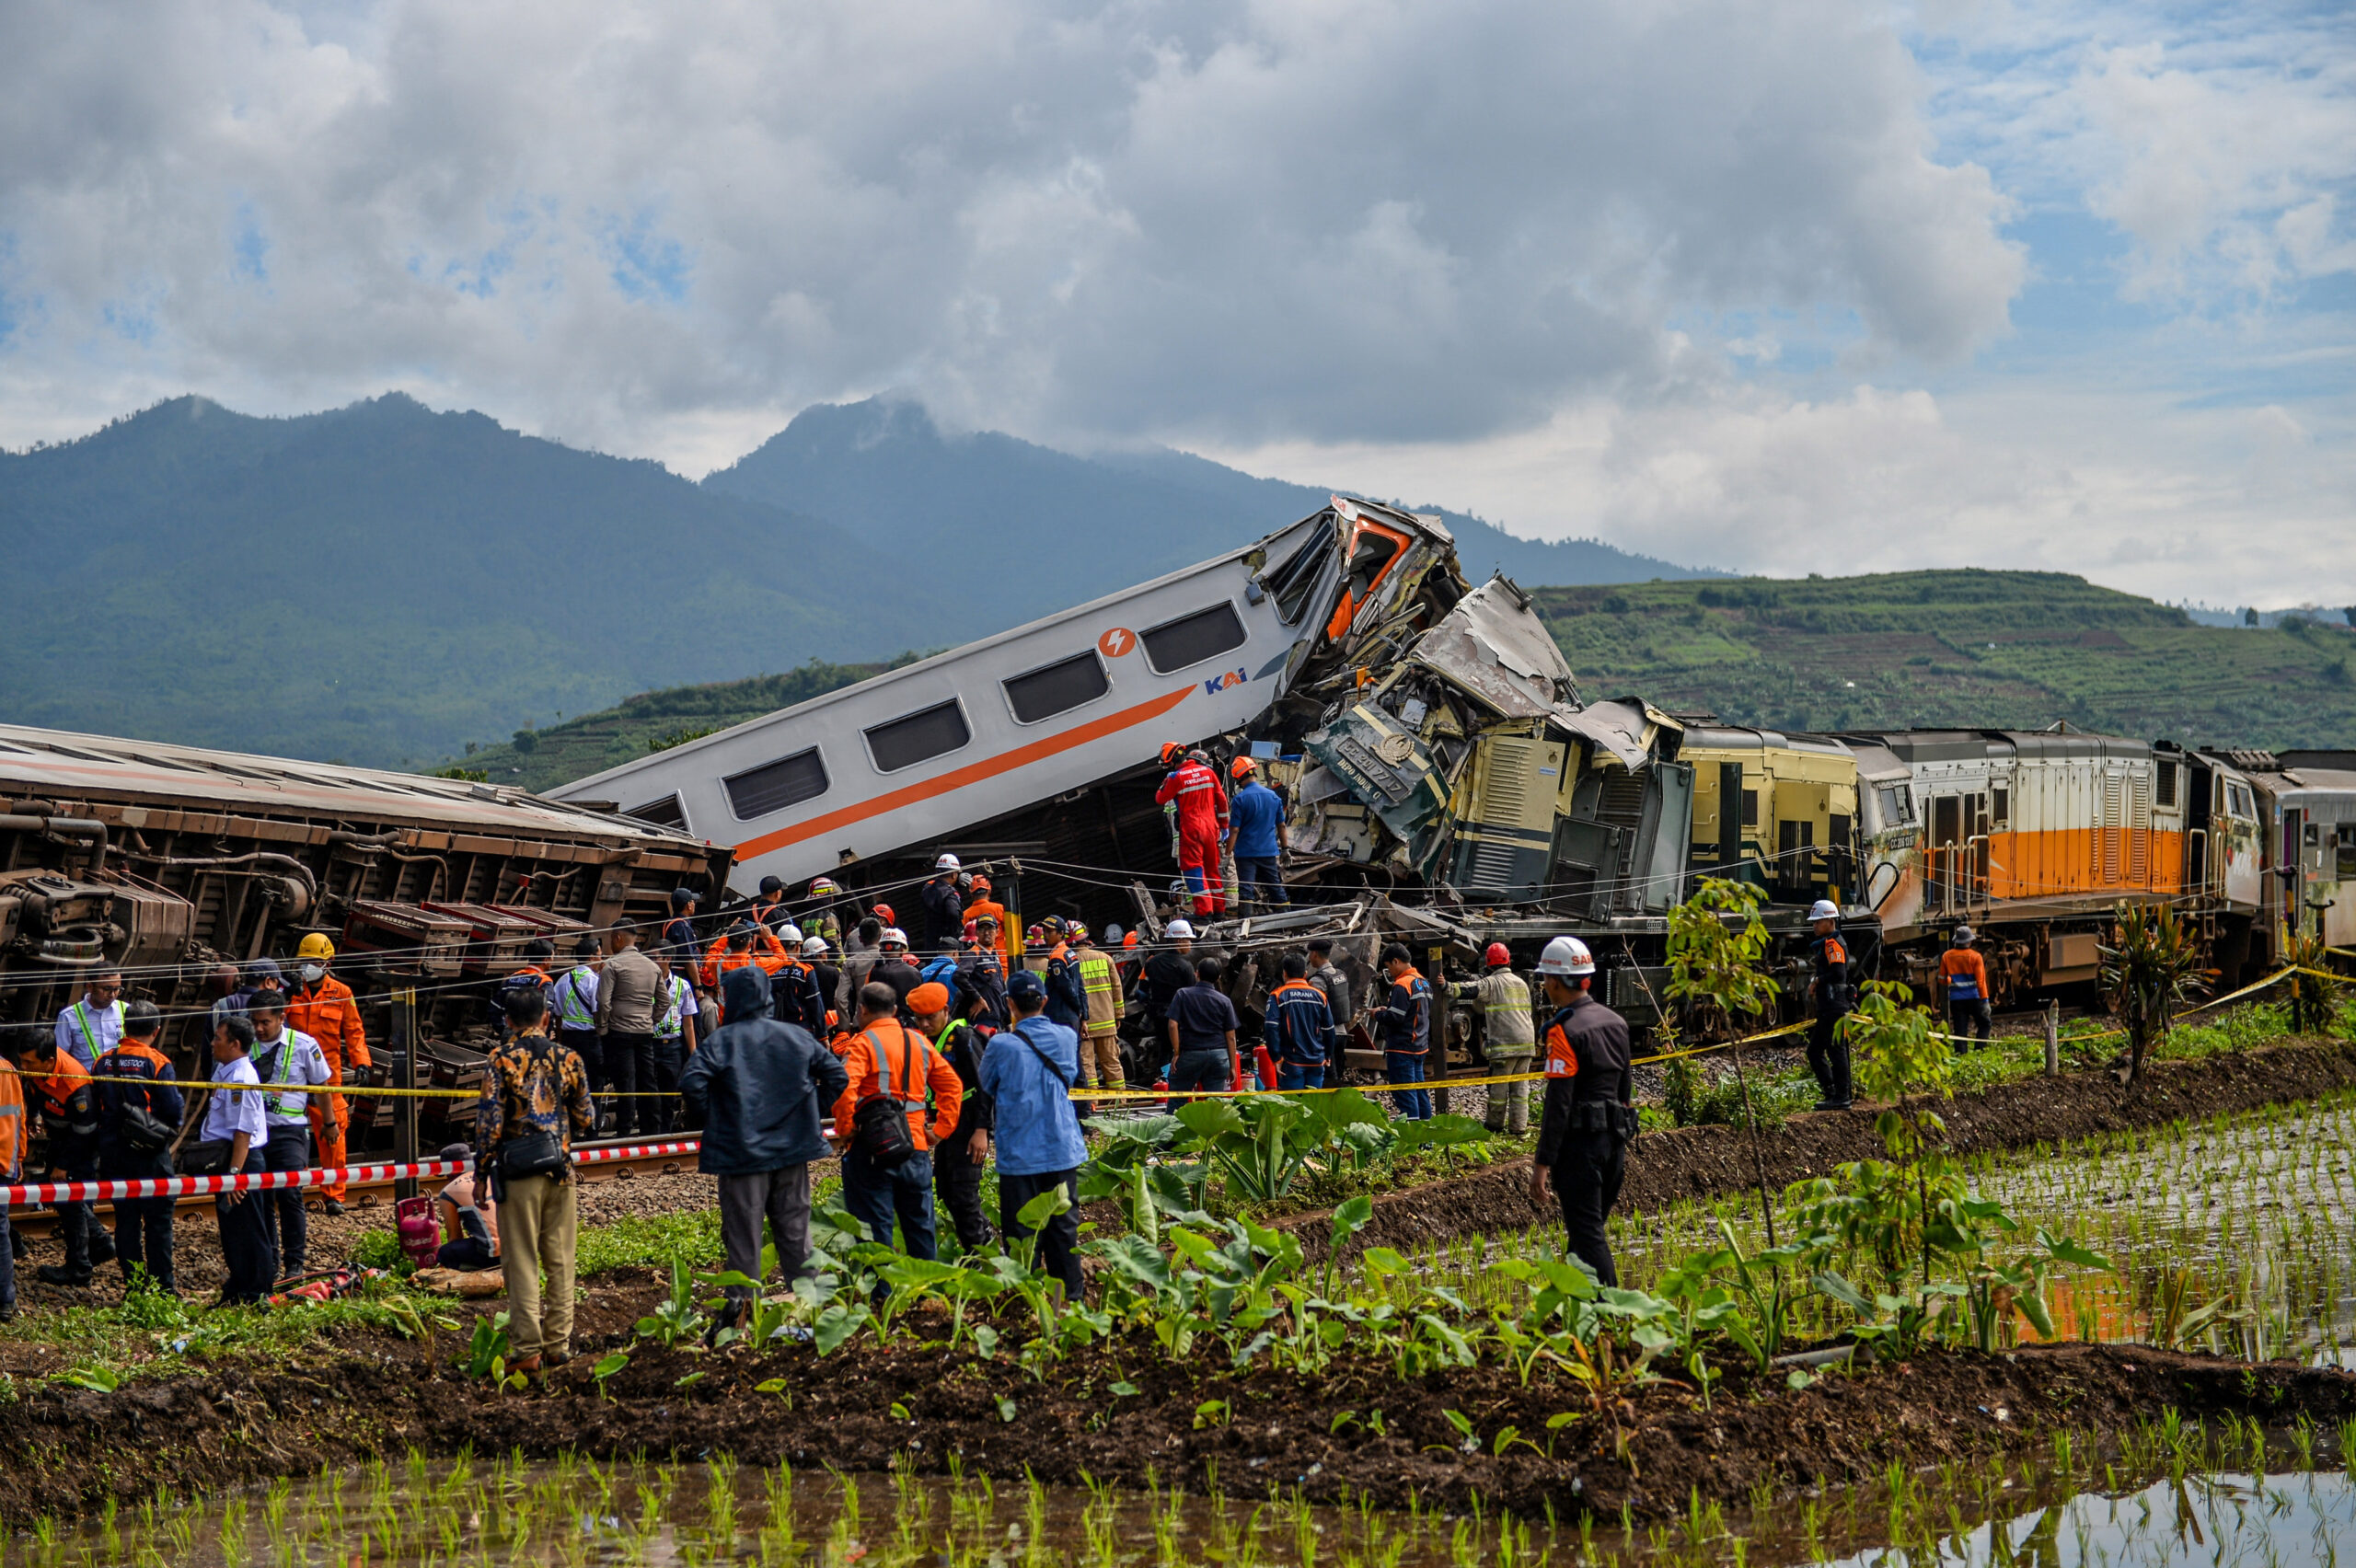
x=1225, y=1399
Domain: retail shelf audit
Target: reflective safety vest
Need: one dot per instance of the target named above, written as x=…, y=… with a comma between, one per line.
x=576, y=1006
x=96, y=1039
x=670, y=1023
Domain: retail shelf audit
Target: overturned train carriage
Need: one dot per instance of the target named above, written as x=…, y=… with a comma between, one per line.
x=170, y=862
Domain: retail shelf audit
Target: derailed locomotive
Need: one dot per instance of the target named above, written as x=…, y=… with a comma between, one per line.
x=1445, y=779
x=174, y=864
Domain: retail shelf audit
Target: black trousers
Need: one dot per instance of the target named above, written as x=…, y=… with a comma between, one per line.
x=1060, y=1243
x=289, y=1148
x=76, y=1161
x=957, y=1180
x=1827, y=1056
x=143, y=1226
x=1586, y=1178
x=1970, y=1016
x=670, y=1060
x=630, y=1068
x=245, y=1243
x=591, y=1047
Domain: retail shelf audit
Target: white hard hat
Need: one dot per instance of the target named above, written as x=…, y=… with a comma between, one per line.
x=815, y=947
x=892, y=937
x=947, y=863
x=788, y=932
x=1566, y=956
x=1824, y=909
x=1180, y=928
x=1112, y=933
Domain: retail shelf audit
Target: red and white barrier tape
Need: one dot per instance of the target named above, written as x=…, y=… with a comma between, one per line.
x=43, y=1193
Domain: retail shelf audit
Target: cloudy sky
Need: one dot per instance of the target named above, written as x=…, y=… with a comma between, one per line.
x=1788, y=287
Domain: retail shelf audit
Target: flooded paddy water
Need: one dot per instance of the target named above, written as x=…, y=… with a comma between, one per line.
x=455, y=1513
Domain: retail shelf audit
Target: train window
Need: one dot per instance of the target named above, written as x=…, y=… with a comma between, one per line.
x=773, y=786
x=2000, y=810
x=665, y=812
x=2163, y=790
x=1896, y=804
x=1190, y=639
x=1055, y=688
x=918, y=737
x=1750, y=807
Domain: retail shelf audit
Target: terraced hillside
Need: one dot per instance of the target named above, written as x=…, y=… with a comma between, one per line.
x=2011, y=649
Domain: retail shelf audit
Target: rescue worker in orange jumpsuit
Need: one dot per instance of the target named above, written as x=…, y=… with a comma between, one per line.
x=1193, y=787
x=322, y=1007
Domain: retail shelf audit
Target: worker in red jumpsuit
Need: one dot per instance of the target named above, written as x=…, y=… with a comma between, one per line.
x=1193, y=787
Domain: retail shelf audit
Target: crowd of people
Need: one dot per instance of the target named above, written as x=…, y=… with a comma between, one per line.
x=788, y=1030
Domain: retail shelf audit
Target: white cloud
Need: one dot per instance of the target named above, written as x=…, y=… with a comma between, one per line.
x=2240, y=505
x=1329, y=218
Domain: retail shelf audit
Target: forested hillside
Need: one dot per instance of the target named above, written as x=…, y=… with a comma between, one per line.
x=2011, y=649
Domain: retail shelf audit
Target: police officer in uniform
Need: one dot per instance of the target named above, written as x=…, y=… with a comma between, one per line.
x=1828, y=1053
x=1590, y=1119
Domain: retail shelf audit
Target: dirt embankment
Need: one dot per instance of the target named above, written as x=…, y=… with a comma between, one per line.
x=1354, y=1429
x=1700, y=1162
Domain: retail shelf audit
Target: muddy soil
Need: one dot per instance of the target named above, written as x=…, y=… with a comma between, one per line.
x=1702, y=1162
x=1354, y=1429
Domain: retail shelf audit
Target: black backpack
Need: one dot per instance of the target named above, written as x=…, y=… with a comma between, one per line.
x=879, y=1124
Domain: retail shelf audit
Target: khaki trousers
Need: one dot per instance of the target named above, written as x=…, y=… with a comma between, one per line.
x=1510, y=1103
x=1100, y=1058
x=539, y=1227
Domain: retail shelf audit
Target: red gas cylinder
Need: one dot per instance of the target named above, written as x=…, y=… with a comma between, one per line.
x=420, y=1237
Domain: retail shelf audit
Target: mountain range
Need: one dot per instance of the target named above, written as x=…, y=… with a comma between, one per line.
x=382, y=584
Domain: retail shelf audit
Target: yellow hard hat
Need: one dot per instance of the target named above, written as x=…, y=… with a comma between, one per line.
x=316, y=945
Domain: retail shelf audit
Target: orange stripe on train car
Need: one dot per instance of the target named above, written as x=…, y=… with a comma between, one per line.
x=971, y=773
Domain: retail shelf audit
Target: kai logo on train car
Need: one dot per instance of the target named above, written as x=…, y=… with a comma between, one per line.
x=1117, y=642
x=1217, y=684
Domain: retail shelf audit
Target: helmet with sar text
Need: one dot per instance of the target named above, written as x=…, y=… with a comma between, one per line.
x=1566, y=958
x=814, y=947
x=948, y=864
x=893, y=937
x=1178, y=931
x=1824, y=909
x=1496, y=957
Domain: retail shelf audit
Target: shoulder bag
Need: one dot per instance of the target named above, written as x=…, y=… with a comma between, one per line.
x=879, y=1125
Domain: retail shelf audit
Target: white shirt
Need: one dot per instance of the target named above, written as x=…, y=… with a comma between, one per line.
x=301, y=1061
x=233, y=1111
x=104, y=1034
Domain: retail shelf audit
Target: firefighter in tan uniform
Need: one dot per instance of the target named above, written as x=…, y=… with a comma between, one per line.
x=1508, y=1038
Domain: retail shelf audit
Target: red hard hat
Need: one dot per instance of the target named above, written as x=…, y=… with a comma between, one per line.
x=883, y=913
x=1496, y=957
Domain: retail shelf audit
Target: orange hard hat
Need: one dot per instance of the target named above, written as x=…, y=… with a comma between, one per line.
x=883, y=913
x=1240, y=767
x=981, y=885
x=1496, y=956
x=1128, y=941
x=1168, y=750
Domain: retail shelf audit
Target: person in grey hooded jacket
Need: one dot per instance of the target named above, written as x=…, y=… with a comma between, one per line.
x=759, y=1088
